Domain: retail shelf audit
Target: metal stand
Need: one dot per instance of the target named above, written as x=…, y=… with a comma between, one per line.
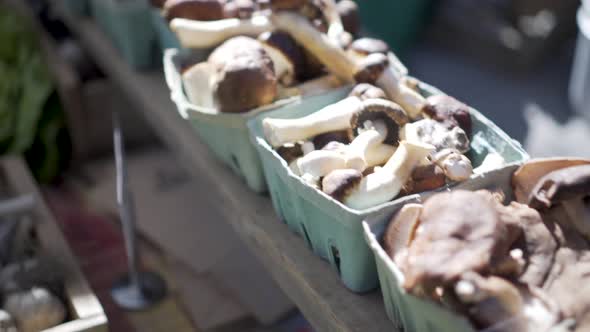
x=137, y=290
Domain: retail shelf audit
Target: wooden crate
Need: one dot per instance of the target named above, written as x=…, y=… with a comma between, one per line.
x=83, y=305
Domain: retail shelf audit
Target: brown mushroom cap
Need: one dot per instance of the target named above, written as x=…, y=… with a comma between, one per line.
x=339, y=183
x=324, y=139
x=286, y=46
x=390, y=113
x=425, y=178
x=349, y=14
x=245, y=77
x=449, y=110
x=367, y=91
x=290, y=151
x=287, y=4
x=366, y=46
x=199, y=10
x=561, y=185
x=371, y=68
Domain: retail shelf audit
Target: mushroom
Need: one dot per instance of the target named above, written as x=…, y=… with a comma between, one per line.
x=202, y=34
x=311, y=87
x=455, y=165
x=244, y=76
x=425, y=178
x=459, y=231
x=378, y=122
x=291, y=152
x=363, y=47
x=450, y=111
x=569, y=187
x=492, y=300
x=197, y=81
x=7, y=323
x=286, y=55
x=35, y=309
x=401, y=231
x=367, y=91
x=525, y=178
x=333, y=117
x=199, y=10
x=322, y=140
x=242, y=9
x=386, y=182
x=349, y=15
x=433, y=132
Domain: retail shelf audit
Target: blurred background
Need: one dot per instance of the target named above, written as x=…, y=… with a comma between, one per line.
x=525, y=64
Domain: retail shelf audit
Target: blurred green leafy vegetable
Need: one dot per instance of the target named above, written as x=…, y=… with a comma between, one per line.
x=31, y=119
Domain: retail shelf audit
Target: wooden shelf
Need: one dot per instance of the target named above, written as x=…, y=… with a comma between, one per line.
x=310, y=282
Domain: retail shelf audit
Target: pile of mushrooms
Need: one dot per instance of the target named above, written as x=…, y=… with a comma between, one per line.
x=518, y=267
x=366, y=149
x=257, y=63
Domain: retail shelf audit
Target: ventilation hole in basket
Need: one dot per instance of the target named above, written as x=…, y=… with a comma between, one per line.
x=306, y=236
x=335, y=257
x=235, y=163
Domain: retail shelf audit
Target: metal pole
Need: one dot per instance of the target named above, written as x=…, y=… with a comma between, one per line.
x=138, y=289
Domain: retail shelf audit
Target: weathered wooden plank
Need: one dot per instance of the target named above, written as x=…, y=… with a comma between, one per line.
x=86, y=307
x=307, y=280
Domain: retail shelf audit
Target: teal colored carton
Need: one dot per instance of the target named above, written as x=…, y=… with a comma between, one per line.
x=77, y=7
x=128, y=24
x=411, y=313
x=227, y=134
x=166, y=38
x=334, y=231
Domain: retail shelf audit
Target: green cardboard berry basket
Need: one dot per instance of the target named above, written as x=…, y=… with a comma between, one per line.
x=412, y=313
x=166, y=38
x=227, y=134
x=128, y=24
x=334, y=231
x=77, y=7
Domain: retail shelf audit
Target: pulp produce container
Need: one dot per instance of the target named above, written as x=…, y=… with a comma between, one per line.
x=411, y=313
x=227, y=134
x=128, y=24
x=580, y=77
x=334, y=231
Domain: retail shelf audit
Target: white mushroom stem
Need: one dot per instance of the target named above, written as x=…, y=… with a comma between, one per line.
x=328, y=52
x=333, y=117
x=335, y=28
x=206, y=34
x=321, y=162
x=356, y=157
x=379, y=154
x=312, y=87
x=339, y=63
x=384, y=184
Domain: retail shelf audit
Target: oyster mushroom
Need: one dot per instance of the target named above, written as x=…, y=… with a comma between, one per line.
x=367, y=91
x=386, y=182
x=333, y=117
x=7, y=323
x=401, y=231
x=378, y=122
x=459, y=231
x=244, y=76
x=35, y=309
x=286, y=55
x=203, y=34
x=526, y=176
x=198, y=10
x=569, y=187
x=492, y=300
x=455, y=165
